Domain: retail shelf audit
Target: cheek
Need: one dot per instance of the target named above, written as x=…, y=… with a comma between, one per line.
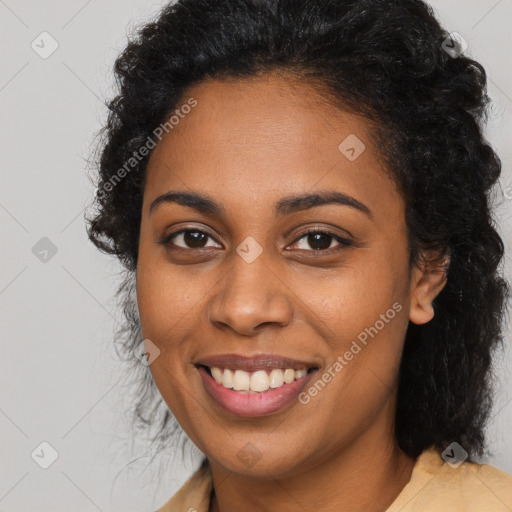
x=361, y=314
x=347, y=303
x=167, y=297
x=170, y=303
x=166, y=315
x=168, y=321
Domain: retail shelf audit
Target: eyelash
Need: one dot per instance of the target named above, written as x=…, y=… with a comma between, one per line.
x=343, y=242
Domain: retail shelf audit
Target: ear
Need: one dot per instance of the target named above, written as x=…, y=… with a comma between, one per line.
x=428, y=279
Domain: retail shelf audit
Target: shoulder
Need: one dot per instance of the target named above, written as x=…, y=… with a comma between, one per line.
x=434, y=485
x=468, y=487
x=194, y=495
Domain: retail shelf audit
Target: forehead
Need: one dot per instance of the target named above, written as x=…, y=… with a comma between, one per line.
x=264, y=136
x=269, y=109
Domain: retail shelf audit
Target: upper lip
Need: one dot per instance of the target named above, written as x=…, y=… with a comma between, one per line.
x=254, y=363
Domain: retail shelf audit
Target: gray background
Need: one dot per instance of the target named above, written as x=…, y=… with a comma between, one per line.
x=59, y=377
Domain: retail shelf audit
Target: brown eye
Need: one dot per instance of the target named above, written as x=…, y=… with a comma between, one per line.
x=318, y=241
x=187, y=239
x=195, y=238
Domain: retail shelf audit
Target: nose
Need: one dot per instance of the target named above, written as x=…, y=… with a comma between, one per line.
x=250, y=297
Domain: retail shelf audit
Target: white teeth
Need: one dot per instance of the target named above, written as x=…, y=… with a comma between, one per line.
x=300, y=373
x=217, y=374
x=241, y=381
x=227, y=379
x=289, y=375
x=276, y=378
x=258, y=381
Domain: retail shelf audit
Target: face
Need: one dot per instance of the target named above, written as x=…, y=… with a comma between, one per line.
x=285, y=252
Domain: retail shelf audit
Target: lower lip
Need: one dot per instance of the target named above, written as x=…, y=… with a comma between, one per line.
x=251, y=405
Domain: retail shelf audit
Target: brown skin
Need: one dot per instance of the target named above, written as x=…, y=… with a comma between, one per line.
x=247, y=144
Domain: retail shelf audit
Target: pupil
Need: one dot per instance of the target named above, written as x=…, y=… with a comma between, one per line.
x=316, y=239
x=194, y=238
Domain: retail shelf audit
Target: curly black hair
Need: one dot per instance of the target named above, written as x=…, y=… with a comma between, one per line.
x=386, y=60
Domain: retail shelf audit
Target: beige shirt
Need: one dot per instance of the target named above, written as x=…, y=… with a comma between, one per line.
x=435, y=486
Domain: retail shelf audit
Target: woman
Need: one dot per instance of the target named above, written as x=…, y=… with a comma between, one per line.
x=299, y=193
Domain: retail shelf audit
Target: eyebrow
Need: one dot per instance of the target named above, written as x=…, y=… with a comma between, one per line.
x=285, y=206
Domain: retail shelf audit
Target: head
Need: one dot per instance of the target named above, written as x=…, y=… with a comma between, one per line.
x=314, y=185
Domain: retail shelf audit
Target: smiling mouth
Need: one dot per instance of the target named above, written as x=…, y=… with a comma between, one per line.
x=259, y=381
